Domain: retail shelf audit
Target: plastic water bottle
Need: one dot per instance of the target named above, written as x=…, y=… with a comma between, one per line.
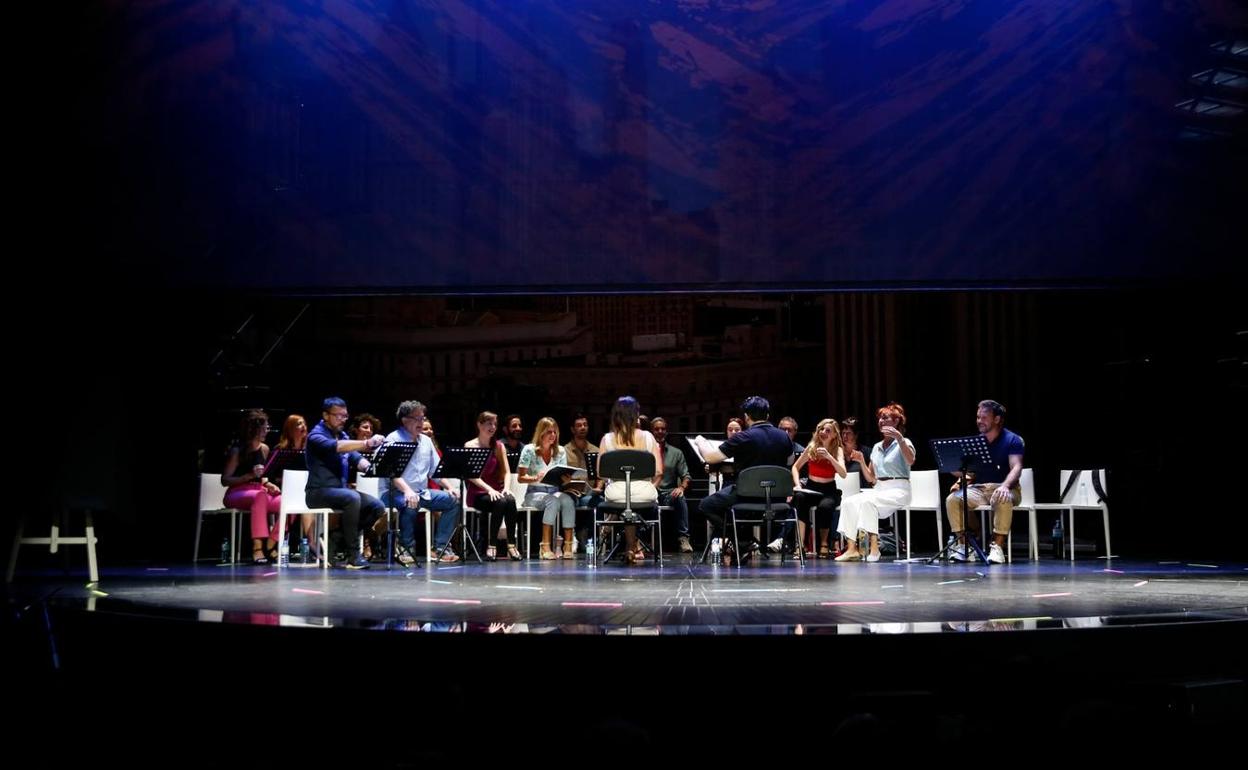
x=589, y=553
x=1057, y=537
x=303, y=551
x=225, y=551
x=284, y=554
x=716, y=547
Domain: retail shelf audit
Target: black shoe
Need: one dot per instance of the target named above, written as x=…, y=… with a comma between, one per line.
x=358, y=562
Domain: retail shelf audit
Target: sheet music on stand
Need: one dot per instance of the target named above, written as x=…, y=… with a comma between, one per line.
x=513, y=459
x=591, y=467
x=390, y=460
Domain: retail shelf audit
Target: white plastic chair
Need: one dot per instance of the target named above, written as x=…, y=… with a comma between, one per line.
x=212, y=501
x=1027, y=502
x=1081, y=496
x=925, y=496
x=293, y=502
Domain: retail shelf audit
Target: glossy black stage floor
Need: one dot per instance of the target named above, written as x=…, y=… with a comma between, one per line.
x=560, y=651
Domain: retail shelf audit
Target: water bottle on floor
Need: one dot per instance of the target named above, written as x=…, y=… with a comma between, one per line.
x=284, y=554
x=304, y=551
x=589, y=553
x=225, y=551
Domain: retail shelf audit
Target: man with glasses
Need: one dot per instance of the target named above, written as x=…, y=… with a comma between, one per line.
x=410, y=492
x=329, y=454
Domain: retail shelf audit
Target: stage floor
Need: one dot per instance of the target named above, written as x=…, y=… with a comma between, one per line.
x=677, y=597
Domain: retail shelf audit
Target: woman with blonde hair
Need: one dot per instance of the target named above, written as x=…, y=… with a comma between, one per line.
x=535, y=458
x=626, y=433
x=824, y=460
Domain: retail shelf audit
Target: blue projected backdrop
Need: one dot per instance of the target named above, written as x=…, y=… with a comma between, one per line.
x=619, y=144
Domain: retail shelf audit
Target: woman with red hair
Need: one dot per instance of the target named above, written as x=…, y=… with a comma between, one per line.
x=889, y=470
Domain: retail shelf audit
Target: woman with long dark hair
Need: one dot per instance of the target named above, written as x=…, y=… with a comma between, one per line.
x=491, y=492
x=248, y=489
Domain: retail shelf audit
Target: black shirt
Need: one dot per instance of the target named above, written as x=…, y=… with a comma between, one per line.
x=760, y=444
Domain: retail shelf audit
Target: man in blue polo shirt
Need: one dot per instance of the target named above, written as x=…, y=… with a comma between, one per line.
x=329, y=454
x=761, y=443
x=995, y=484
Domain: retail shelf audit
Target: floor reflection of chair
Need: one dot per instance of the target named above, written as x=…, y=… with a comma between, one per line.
x=628, y=465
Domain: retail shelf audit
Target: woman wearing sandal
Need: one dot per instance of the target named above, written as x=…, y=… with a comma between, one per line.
x=626, y=433
x=535, y=458
x=248, y=489
x=491, y=493
x=889, y=470
x=824, y=461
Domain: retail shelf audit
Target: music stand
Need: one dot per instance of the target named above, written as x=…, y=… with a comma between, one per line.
x=960, y=456
x=463, y=463
x=281, y=459
x=388, y=462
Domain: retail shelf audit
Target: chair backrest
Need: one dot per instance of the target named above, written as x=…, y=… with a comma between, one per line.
x=611, y=465
x=925, y=489
x=211, y=492
x=1027, y=488
x=759, y=481
x=293, y=484
x=1083, y=491
x=850, y=485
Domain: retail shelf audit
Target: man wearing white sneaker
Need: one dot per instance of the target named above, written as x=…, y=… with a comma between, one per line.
x=994, y=483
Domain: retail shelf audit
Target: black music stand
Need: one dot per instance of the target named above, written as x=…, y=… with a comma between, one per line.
x=388, y=462
x=463, y=463
x=961, y=456
x=281, y=459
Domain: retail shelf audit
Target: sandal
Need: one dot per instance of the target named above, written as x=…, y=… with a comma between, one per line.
x=491, y=553
x=258, y=556
x=547, y=554
x=824, y=552
x=513, y=553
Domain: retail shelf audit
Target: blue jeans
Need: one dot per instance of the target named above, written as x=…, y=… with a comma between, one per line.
x=434, y=500
x=680, y=508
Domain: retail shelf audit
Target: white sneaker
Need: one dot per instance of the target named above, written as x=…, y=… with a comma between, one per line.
x=777, y=545
x=958, y=552
x=996, y=555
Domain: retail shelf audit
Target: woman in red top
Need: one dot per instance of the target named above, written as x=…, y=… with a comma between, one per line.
x=824, y=460
x=491, y=493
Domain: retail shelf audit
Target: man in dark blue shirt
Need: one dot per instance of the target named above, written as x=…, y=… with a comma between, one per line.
x=995, y=483
x=329, y=454
x=761, y=443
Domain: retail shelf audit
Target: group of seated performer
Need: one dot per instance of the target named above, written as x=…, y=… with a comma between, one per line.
x=832, y=453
